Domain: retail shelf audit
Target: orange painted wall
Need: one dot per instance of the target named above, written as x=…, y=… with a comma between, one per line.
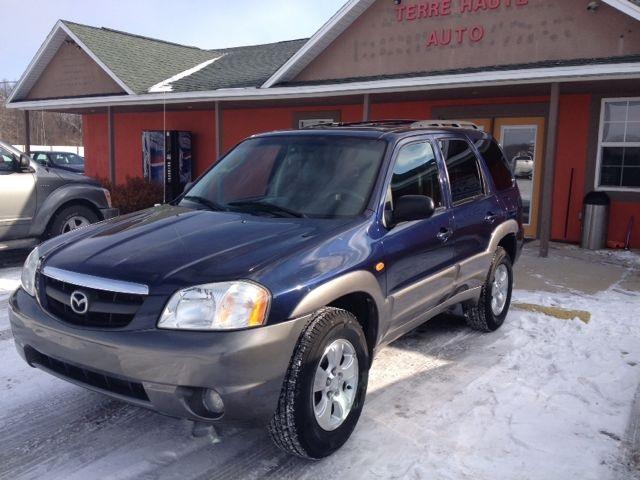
x=96, y=145
x=240, y=123
x=128, y=128
x=621, y=213
x=571, y=153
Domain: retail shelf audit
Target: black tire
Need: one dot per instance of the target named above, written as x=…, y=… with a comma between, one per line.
x=58, y=222
x=480, y=315
x=294, y=427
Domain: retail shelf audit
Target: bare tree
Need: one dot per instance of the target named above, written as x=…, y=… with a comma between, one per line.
x=47, y=128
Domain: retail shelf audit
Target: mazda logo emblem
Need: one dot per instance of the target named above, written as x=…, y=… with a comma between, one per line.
x=79, y=302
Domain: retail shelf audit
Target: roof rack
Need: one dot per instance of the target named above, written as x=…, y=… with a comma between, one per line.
x=444, y=123
x=368, y=123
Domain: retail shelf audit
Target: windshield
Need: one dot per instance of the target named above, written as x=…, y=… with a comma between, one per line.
x=301, y=176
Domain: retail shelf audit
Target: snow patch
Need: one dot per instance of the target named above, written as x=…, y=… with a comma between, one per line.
x=166, y=85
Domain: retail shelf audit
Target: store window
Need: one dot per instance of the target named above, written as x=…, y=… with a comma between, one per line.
x=619, y=145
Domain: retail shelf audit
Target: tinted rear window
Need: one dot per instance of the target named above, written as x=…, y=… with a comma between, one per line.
x=464, y=172
x=496, y=163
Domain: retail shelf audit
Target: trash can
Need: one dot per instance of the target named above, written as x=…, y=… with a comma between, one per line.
x=595, y=220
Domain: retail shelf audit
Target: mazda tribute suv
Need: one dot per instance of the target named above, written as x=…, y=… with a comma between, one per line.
x=265, y=290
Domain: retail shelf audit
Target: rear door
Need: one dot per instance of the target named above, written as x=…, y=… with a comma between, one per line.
x=499, y=171
x=418, y=254
x=476, y=210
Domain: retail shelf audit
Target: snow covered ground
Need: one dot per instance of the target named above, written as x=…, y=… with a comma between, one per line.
x=542, y=398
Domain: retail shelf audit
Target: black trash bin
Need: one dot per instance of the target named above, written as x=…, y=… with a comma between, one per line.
x=595, y=220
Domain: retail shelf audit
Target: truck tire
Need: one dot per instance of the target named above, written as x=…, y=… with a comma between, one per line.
x=71, y=218
x=324, y=388
x=489, y=312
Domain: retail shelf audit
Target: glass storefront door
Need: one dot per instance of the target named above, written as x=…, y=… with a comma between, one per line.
x=522, y=141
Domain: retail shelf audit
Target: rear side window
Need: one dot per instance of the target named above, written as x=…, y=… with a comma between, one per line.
x=496, y=163
x=7, y=162
x=464, y=172
x=416, y=173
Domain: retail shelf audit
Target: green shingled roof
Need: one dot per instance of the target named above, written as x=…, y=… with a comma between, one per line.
x=142, y=62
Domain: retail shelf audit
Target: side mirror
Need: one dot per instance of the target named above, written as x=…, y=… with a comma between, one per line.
x=187, y=187
x=24, y=162
x=413, y=207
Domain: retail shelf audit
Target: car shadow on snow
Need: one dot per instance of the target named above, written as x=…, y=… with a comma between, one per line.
x=89, y=435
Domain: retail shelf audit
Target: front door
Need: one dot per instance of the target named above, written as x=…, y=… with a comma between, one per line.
x=418, y=254
x=17, y=198
x=522, y=141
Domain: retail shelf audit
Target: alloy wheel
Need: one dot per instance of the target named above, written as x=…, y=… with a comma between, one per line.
x=335, y=384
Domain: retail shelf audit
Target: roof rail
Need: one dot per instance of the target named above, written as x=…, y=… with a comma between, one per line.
x=367, y=123
x=444, y=123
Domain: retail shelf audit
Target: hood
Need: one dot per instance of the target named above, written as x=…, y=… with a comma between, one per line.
x=172, y=247
x=72, y=176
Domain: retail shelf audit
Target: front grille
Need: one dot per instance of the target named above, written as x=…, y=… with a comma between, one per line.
x=106, y=309
x=88, y=377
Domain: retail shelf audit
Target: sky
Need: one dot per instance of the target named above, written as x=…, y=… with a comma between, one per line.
x=201, y=23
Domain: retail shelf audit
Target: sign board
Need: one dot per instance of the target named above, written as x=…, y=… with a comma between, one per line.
x=428, y=36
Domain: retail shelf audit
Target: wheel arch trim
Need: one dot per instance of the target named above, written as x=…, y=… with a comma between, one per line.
x=352, y=282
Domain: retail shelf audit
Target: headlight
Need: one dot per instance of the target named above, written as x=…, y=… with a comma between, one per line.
x=217, y=306
x=28, y=278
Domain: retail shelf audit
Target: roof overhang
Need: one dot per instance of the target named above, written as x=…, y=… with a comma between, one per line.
x=52, y=43
x=350, y=13
x=564, y=74
x=625, y=6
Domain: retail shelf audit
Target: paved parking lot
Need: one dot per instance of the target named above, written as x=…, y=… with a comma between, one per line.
x=543, y=398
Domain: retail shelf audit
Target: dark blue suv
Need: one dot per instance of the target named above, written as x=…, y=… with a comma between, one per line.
x=266, y=289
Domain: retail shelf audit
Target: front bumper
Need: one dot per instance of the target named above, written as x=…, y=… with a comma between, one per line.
x=108, y=213
x=245, y=367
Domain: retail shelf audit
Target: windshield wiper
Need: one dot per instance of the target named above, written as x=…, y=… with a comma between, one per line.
x=268, y=207
x=206, y=202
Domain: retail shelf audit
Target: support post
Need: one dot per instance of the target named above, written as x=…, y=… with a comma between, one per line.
x=366, y=108
x=27, y=133
x=111, y=146
x=549, y=171
x=218, y=130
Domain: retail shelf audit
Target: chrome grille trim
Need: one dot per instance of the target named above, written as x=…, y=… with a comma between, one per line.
x=97, y=283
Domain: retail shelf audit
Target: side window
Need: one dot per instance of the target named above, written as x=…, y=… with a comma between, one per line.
x=496, y=163
x=463, y=168
x=7, y=162
x=416, y=173
x=60, y=159
x=41, y=158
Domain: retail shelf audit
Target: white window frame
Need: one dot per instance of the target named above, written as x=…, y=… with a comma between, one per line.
x=601, y=145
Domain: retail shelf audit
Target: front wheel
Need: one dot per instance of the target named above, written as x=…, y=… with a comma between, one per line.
x=325, y=386
x=489, y=312
x=71, y=218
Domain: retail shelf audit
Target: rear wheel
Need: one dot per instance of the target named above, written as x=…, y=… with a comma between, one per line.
x=71, y=218
x=324, y=388
x=489, y=312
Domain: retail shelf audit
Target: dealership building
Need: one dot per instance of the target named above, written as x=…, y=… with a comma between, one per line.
x=556, y=82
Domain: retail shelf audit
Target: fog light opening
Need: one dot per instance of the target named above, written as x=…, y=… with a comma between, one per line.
x=212, y=401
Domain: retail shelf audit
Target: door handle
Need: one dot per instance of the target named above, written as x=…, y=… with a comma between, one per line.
x=444, y=234
x=490, y=217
